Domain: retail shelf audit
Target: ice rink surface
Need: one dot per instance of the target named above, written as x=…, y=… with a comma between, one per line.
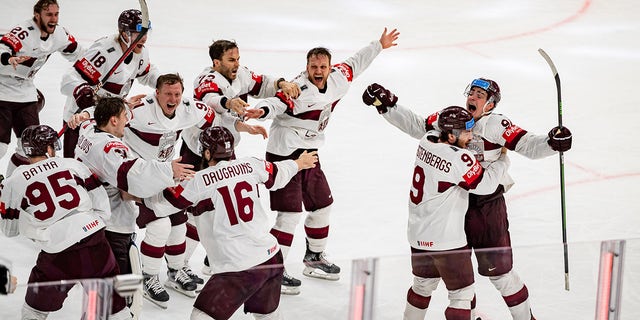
x=443, y=46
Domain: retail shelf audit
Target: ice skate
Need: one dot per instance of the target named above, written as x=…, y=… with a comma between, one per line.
x=153, y=291
x=317, y=266
x=194, y=277
x=290, y=285
x=180, y=281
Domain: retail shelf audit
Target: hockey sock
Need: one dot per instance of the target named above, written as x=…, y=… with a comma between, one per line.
x=316, y=226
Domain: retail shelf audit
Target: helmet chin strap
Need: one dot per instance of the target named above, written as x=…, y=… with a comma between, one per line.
x=484, y=113
x=125, y=41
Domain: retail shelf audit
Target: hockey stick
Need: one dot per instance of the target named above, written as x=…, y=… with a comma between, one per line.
x=561, y=157
x=143, y=31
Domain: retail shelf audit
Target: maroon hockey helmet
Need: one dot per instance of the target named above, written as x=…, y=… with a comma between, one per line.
x=36, y=139
x=488, y=85
x=130, y=20
x=219, y=142
x=455, y=118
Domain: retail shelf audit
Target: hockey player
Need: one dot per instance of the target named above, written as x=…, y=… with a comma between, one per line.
x=245, y=258
x=82, y=83
x=152, y=134
x=298, y=125
x=486, y=224
x=101, y=149
x=225, y=87
x=23, y=51
x=57, y=203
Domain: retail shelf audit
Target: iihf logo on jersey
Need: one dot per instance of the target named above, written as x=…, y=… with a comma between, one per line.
x=90, y=225
x=272, y=249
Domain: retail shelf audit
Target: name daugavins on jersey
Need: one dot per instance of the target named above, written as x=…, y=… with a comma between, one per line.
x=226, y=173
x=433, y=160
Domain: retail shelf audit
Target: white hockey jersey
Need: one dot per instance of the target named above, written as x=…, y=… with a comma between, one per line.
x=55, y=202
x=213, y=88
x=97, y=61
x=110, y=160
x=300, y=123
x=233, y=226
x=490, y=134
x=442, y=179
x=24, y=40
x=151, y=135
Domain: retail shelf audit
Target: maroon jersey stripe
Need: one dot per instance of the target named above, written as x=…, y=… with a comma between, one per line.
x=123, y=171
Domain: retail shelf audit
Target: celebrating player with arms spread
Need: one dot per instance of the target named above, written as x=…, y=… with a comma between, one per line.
x=298, y=125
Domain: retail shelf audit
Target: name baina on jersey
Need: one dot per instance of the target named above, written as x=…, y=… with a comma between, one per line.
x=55, y=202
x=233, y=226
x=112, y=162
x=152, y=135
x=300, y=123
x=24, y=40
x=442, y=178
x=96, y=62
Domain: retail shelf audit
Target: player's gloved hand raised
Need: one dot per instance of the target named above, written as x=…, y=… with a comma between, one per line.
x=84, y=96
x=560, y=139
x=376, y=95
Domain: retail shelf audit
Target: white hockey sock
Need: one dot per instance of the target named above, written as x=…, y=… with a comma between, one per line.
x=153, y=246
x=196, y=314
x=275, y=315
x=514, y=293
x=32, y=314
x=284, y=229
x=316, y=226
x=413, y=313
x=176, y=247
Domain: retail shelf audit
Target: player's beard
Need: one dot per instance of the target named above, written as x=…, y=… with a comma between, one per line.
x=45, y=27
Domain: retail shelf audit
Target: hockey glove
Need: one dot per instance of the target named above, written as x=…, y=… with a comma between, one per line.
x=84, y=96
x=560, y=139
x=376, y=95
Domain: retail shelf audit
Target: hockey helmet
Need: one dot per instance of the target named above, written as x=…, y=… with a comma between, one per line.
x=490, y=86
x=455, y=118
x=36, y=139
x=130, y=20
x=219, y=142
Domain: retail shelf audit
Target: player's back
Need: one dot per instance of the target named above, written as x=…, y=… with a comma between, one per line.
x=55, y=207
x=238, y=227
